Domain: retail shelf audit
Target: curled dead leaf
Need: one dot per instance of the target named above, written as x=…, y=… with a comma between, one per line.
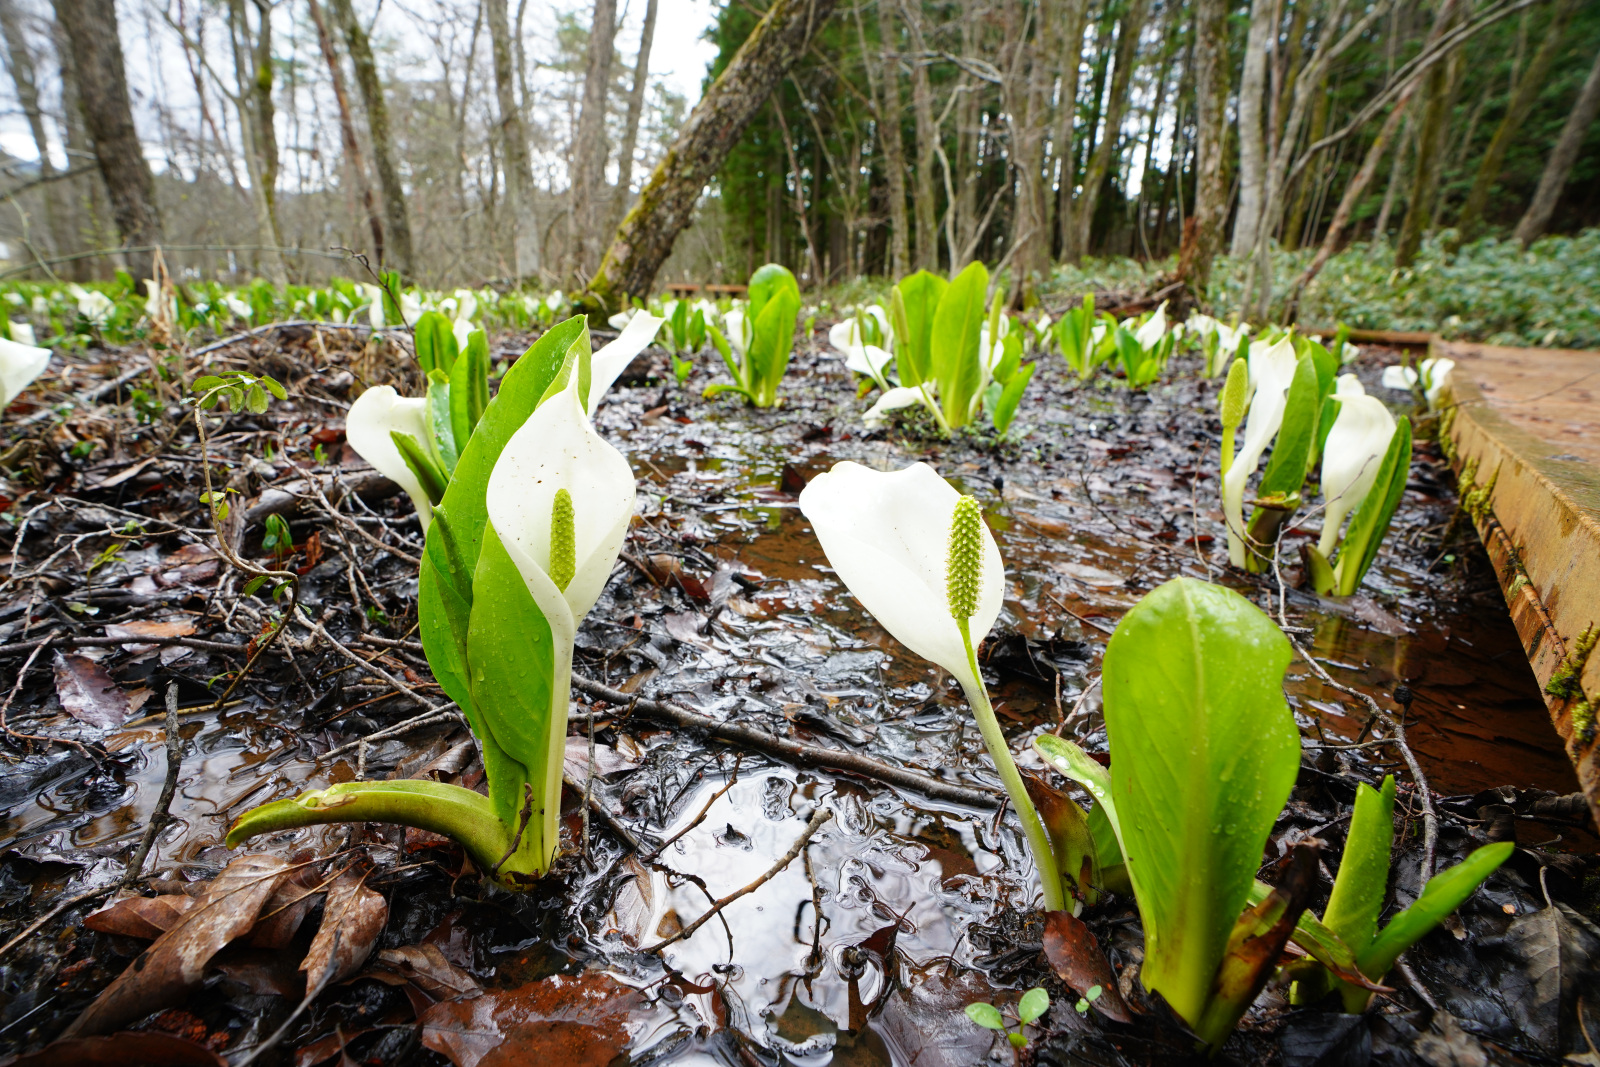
x=1075, y=956
x=88, y=694
x=357, y=914
x=571, y=1020
x=146, y=917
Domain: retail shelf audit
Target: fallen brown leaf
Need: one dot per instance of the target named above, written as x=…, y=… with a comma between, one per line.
x=128, y=1049
x=357, y=915
x=88, y=694
x=286, y=909
x=574, y=1021
x=146, y=917
x=176, y=962
x=1075, y=956
x=425, y=967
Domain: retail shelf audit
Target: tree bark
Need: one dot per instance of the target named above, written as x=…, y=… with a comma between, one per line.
x=23, y=77
x=888, y=123
x=252, y=64
x=1025, y=105
x=514, y=145
x=1565, y=153
x=1431, y=131
x=102, y=85
x=396, y=216
x=589, y=153
x=924, y=203
x=1121, y=82
x=355, y=164
x=1252, y=135
x=1200, y=242
x=630, y=135
x=1073, y=16
x=90, y=206
x=1523, y=97
x=1308, y=180
x=667, y=202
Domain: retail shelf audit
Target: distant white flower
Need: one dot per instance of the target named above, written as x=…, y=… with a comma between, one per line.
x=22, y=333
x=619, y=321
x=1149, y=335
x=466, y=304
x=238, y=307
x=1435, y=372
x=20, y=364
x=463, y=330
x=93, y=305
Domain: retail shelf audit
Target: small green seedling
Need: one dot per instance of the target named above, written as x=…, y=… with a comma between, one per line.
x=1034, y=1003
x=1090, y=995
x=277, y=539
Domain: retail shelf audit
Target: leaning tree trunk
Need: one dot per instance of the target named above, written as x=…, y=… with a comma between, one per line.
x=630, y=132
x=666, y=204
x=396, y=217
x=354, y=162
x=1565, y=153
x=1517, y=111
x=102, y=85
x=589, y=153
x=1121, y=83
x=23, y=78
x=1252, y=137
x=514, y=142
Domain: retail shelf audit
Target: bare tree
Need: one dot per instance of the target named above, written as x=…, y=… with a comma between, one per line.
x=589, y=150
x=667, y=202
x=928, y=135
x=1203, y=236
x=1523, y=97
x=514, y=144
x=1252, y=134
x=23, y=77
x=630, y=131
x=1562, y=157
x=883, y=74
x=1073, y=16
x=1100, y=163
x=102, y=87
x=397, y=216
x=1431, y=130
x=252, y=60
x=355, y=165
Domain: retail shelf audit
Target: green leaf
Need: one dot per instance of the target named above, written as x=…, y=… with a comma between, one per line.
x=518, y=674
x=767, y=282
x=1360, y=545
x=953, y=358
x=420, y=460
x=1443, y=894
x=1034, y=1003
x=469, y=388
x=253, y=584
x=255, y=400
x=1286, y=470
x=436, y=343
x=205, y=382
x=1005, y=409
x=1206, y=752
x=1358, y=890
x=772, y=344
x=274, y=388
x=1074, y=336
x=697, y=330
x=913, y=305
x=444, y=598
x=1071, y=840
x=1073, y=762
x=1010, y=357
x=439, y=424
x=720, y=343
x=987, y=1016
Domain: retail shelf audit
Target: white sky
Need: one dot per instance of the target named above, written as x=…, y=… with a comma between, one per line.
x=679, y=56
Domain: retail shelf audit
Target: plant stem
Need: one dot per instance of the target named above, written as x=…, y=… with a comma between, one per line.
x=995, y=741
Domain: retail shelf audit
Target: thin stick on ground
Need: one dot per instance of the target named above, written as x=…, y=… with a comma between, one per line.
x=818, y=817
x=704, y=811
x=162, y=816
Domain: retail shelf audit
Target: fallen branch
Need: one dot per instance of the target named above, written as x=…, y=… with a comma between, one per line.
x=818, y=817
x=162, y=816
x=792, y=751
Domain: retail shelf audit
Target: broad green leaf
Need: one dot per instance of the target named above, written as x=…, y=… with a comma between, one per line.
x=1363, y=877
x=953, y=350
x=436, y=343
x=433, y=479
x=439, y=422
x=768, y=281
x=1443, y=894
x=1360, y=545
x=514, y=679
x=772, y=345
x=987, y=1016
x=1206, y=751
x=1073, y=762
x=1286, y=470
x=444, y=598
x=469, y=388
x=918, y=297
x=1034, y=1003
x=720, y=343
x=1010, y=357
x=1005, y=409
x=697, y=330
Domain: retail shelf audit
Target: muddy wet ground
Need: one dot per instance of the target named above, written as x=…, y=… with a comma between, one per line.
x=901, y=910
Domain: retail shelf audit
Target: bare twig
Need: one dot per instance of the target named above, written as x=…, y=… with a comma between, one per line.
x=396, y=683
x=70, y=902
x=427, y=718
x=704, y=811
x=818, y=817
x=615, y=825
x=162, y=816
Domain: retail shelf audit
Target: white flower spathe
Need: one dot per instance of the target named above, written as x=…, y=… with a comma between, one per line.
x=613, y=359
x=1271, y=370
x=20, y=364
x=1354, y=451
x=886, y=535
x=22, y=333
x=378, y=412
x=1435, y=372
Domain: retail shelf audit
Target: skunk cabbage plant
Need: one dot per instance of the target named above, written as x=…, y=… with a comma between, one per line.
x=1218, y=341
x=418, y=442
x=865, y=340
x=918, y=556
x=762, y=335
x=20, y=364
x=520, y=547
x=1082, y=338
x=1430, y=376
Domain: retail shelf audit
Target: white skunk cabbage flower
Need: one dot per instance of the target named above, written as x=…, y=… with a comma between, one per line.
x=1435, y=372
x=860, y=358
x=93, y=304
x=1149, y=335
x=376, y=414
x=20, y=364
x=463, y=329
x=606, y=364
x=374, y=297
x=1041, y=329
x=739, y=328
x=22, y=333
x=1356, y=445
x=239, y=309
x=556, y=299
x=466, y=304
x=1271, y=370
x=992, y=352
x=619, y=321
x=894, y=399
x=887, y=536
